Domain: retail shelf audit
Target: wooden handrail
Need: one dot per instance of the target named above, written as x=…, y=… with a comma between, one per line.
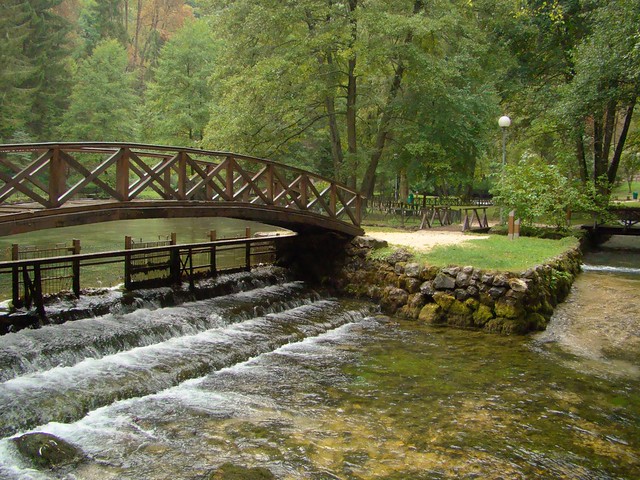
x=174, y=173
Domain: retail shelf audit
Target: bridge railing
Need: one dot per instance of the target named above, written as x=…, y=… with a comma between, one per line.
x=49, y=175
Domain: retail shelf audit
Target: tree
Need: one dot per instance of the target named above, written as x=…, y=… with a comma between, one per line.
x=539, y=192
x=103, y=105
x=178, y=101
x=101, y=20
x=605, y=88
x=48, y=81
x=14, y=98
x=630, y=168
x=323, y=71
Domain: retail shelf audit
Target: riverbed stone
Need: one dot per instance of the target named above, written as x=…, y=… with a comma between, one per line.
x=412, y=269
x=412, y=285
x=229, y=471
x=461, y=294
x=462, y=279
x=444, y=300
x=482, y=315
x=518, y=285
x=429, y=272
x=48, y=451
x=451, y=271
x=392, y=299
x=400, y=255
x=444, y=282
x=431, y=313
x=508, y=309
x=496, y=292
x=398, y=268
x=369, y=242
x=500, y=280
x=427, y=288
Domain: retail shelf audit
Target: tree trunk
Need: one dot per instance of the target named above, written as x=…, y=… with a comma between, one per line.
x=351, y=96
x=582, y=159
x=612, y=172
x=369, y=180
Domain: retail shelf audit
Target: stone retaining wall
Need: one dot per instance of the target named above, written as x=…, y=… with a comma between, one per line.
x=463, y=297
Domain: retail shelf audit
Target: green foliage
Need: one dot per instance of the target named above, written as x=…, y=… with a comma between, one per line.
x=178, y=101
x=103, y=105
x=538, y=192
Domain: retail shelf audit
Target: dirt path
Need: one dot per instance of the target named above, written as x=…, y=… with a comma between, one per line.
x=425, y=240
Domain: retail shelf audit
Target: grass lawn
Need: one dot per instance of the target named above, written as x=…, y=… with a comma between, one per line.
x=495, y=253
x=621, y=192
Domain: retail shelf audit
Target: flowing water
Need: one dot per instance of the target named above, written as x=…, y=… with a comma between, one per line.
x=278, y=376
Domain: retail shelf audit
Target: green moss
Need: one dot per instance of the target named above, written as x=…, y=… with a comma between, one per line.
x=482, y=315
x=506, y=310
x=444, y=300
x=430, y=313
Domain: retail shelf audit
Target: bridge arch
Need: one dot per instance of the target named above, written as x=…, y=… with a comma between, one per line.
x=48, y=185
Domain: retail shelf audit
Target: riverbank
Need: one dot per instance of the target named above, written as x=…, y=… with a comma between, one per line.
x=463, y=296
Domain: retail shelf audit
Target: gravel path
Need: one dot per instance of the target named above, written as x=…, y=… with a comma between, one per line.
x=425, y=240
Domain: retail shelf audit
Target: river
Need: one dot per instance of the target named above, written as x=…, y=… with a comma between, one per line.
x=278, y=376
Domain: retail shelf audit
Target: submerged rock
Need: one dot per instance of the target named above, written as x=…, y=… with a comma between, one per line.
x=45, y=450
x=229, y=471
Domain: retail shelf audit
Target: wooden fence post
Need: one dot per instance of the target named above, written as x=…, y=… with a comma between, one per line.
x=127, y=263
x=15, y=275
x=212, y=254
x=174, y=262
x=75, y=266
x=247, y=249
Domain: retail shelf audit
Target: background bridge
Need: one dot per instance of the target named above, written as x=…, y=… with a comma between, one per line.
x=50, y=185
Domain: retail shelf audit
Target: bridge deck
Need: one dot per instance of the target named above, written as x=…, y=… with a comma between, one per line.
x=21, y=218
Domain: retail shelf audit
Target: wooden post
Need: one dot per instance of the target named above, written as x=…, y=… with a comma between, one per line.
x=229, y=179
x=269, y=184
x=512, y=215
x=212, y=254
x=38, y=297
x=192, y=285
x=174, y=261
x=247, y=249
x=127, y=263
x=122, y=175
x=182, y=175
x=57, y=178
x=208, y=187
x=75, y=266
x=15, y=274
x=516, y=229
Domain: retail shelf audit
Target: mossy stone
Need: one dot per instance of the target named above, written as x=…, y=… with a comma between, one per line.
x=228, y=471
x=508, y=310
x=430, y=313
x=537, y=321
x=482, y=315
x=444, y=300
x=48, y=451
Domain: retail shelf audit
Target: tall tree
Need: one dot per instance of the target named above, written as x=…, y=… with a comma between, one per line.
x=15, y=69
x=46, y=46
x=103, y=105
x=605, y=89
x=178, y=101
x=323, y=71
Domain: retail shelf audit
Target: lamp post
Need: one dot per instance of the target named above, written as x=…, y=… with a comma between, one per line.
x=504, y=122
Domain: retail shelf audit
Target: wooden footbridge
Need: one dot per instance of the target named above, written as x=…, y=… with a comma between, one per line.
x=48, y=185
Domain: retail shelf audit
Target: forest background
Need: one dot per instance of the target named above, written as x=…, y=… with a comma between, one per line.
x=385, y=95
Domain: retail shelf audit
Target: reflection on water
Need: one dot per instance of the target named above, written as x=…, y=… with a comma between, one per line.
x=108, y=236
x=377, y=398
